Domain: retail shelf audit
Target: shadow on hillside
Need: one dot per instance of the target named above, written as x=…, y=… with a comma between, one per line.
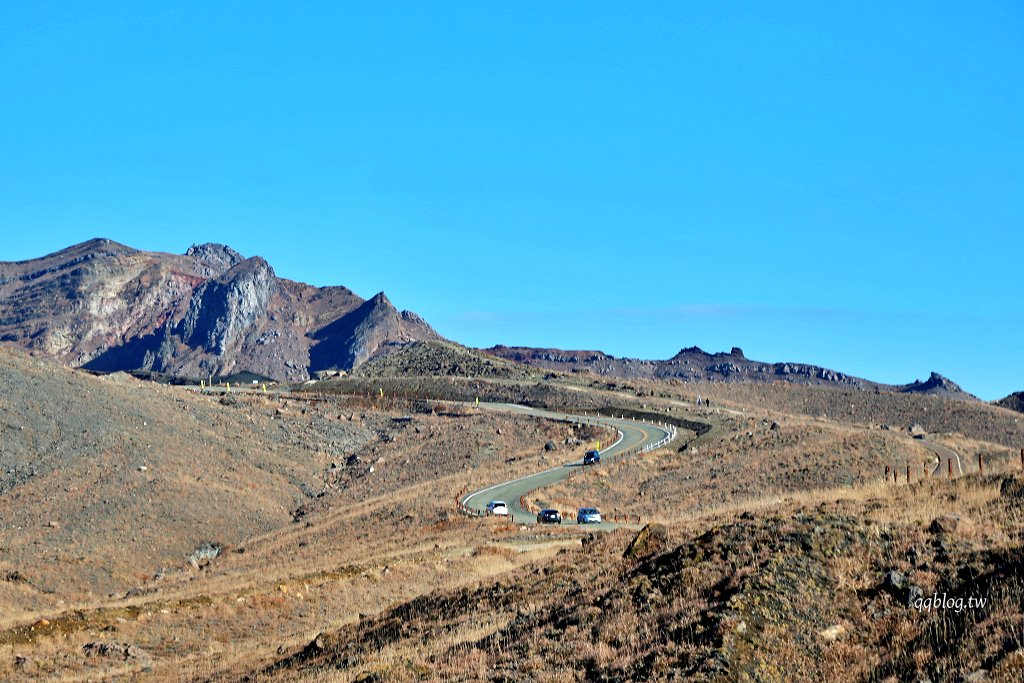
x=134, y=354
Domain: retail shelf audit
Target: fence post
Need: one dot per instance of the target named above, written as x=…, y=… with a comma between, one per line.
x=887, y=473
x=949, y=468
x=908, y=474
x=981, y=465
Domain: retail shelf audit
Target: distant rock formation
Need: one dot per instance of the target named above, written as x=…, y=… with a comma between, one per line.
x=935, y=384
x=210, y=311
x=693, y=364
x=1014, y=401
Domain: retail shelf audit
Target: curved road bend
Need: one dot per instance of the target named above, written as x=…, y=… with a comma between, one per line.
x=944, y=456
x=632, y=435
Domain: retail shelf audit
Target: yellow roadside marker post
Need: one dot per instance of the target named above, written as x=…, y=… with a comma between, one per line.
x=264, y=387
x=229, y=387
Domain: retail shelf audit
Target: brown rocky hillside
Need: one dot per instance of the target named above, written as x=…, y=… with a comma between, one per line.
x=108, y=307
x=1014, y=401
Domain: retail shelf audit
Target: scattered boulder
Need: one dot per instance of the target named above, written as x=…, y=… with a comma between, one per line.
x=1012, y=487
x=549, y=446
x=652, y=539
x=125, y=652
x=894, y=581
x=897, y=584
x=951, y=523
x=914, y=593
x=314, y=647
x=833, y=633
x=14, y=576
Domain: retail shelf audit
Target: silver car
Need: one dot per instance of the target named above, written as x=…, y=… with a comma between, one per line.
x=588, y=516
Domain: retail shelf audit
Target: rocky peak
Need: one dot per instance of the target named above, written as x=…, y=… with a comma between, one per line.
x=90, y=250
x=222, y=308
x=375, y=326
x=935, y=383
x=695, y=352
x=213, y=259
x=690, y=351
x=380, y=300
x=413, y=318
x=208, y=311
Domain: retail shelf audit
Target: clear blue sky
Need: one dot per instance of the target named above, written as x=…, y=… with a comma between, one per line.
x=841, y=185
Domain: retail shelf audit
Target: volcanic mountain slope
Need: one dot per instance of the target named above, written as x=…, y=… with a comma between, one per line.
x=693, y=364
x=1014, y=401
x=445, y=359
x=108, y=307
x=105, y=477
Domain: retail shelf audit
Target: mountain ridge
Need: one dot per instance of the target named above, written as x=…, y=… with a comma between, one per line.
x=694, y=364
x=1014, y=401
x=211, y=311
x=106, y=306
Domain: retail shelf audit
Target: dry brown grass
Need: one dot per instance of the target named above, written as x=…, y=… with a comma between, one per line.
x=745, y=460
x=488, y=599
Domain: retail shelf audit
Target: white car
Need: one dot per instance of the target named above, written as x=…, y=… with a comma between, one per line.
x=497, y=507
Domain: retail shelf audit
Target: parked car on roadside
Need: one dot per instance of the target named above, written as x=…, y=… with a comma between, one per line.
x=549, y=516
x=588, y=516
x=592, y=458
x=497, y=507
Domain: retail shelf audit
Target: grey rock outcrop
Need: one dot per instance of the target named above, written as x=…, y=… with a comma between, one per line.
x=107, y=307
x=213, y=259
x=221, y=310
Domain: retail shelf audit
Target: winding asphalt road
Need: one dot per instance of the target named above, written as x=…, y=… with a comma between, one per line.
x=951, y=457
x=632, y=435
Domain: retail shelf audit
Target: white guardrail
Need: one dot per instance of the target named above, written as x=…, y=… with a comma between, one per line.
x=658, y=444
